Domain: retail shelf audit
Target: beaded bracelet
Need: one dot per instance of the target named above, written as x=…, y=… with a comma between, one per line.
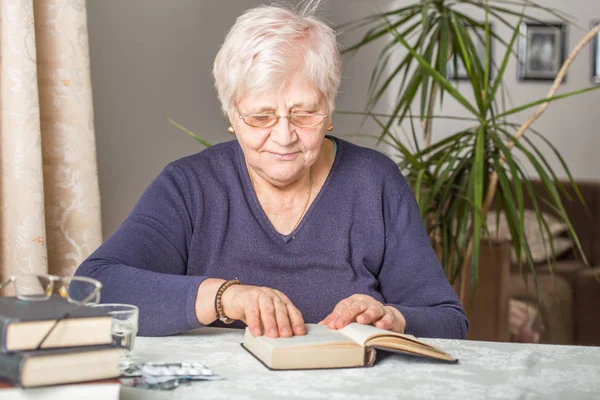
x=218, y=306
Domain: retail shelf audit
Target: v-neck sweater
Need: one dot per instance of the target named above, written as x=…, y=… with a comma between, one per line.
x=200, y=218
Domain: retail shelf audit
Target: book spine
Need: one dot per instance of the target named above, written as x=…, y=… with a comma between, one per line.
x=10, y=368
x=4, y=322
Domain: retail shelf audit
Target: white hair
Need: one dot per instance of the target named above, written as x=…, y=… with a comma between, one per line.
x=268, y=44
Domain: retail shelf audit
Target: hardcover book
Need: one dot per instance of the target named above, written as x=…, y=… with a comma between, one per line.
x=58, y=366
x=23, y=324
x=353, y=346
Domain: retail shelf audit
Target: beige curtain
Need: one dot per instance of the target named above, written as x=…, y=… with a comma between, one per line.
x=49, y=196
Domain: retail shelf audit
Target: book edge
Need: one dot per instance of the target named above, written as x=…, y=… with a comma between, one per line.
x=4, y=337
x=297, y=369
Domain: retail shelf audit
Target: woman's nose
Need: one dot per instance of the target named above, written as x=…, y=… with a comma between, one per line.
x=283, y=132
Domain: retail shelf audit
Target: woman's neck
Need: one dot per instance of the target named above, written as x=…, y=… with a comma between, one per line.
x=285, y=205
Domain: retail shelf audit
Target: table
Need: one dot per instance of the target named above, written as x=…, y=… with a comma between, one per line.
x=486, y=370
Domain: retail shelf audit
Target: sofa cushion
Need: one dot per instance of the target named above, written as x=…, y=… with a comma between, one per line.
x=537, y=239
x=567, y=269
x=586, y=221
x=555, y=305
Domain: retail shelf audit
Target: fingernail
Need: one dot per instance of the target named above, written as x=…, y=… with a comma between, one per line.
x=273, y=331
x=343, y=321
x=285, y=331
x=256, y=332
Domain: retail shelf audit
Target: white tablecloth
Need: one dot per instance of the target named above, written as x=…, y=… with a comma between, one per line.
x=486, y=371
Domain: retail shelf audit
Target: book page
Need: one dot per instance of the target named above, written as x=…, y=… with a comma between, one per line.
x=315, y=335
x=362, y=333
x=368, y=335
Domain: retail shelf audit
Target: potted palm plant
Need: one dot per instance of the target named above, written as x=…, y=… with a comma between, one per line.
x=460, y=177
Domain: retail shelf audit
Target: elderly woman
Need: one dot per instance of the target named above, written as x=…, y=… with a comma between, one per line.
x=285, y=224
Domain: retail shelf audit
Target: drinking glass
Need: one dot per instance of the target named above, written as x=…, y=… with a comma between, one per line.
x=124, y=323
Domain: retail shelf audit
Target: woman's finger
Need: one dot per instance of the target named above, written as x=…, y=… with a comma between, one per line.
x=252, y=317
x=267, y=315
x=282, y=318
x=350, y=313
x=296, y=319
x=385, y=322
x=337, y=312
x=373, y=313
x=326, y=320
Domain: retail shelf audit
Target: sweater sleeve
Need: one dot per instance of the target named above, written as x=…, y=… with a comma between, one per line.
x=145, y=261
x=412, y=279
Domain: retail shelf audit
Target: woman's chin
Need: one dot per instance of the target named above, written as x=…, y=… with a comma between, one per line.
x=283, y=176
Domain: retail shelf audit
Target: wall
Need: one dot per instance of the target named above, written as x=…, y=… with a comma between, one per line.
x=152, y=59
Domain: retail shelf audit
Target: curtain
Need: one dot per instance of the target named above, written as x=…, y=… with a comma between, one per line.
x=49, y=194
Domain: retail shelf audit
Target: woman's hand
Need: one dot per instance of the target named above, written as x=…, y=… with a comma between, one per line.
x=263, y=308
x=365, y=310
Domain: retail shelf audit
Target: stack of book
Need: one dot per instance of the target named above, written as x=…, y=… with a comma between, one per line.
x=79, y=349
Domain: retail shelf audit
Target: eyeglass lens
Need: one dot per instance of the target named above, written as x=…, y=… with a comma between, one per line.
x=81, y=291
x=33, y=287
x=267, y=120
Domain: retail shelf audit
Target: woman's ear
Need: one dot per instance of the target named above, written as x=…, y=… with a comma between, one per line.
x=329, y=123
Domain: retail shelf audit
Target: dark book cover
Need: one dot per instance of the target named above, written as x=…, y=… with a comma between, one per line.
x=14, y=310
x=13, y=365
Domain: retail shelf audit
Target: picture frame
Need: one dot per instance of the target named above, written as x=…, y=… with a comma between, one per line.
x=595, y=55
x=541, y=50
x=460, y=73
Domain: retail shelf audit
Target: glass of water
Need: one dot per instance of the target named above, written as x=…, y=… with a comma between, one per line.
x=124, y=323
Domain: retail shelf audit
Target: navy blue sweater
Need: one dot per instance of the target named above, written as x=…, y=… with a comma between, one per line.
x=200, y=218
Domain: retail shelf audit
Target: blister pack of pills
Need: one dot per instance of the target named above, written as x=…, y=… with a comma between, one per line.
x=166, y=376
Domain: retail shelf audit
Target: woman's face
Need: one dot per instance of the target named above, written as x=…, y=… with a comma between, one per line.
x=283, y=152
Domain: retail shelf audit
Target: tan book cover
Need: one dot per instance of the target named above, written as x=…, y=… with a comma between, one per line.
x=23, y=324
x=59, y=366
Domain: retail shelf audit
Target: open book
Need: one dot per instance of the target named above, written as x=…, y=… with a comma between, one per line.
x=353, y=346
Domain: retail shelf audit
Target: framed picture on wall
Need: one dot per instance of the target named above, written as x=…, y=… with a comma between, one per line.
x=542, y=48
x=596, y=55
x=478, y=38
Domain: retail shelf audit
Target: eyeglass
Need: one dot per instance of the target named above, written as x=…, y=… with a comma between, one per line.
x=270, y=119
x=39, y=287
x=78, y=290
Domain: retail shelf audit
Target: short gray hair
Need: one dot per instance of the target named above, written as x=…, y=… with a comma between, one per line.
x=267, y=44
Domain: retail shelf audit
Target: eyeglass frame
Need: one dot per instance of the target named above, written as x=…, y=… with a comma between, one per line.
x=52, y=279
x=55, y=278
x=278, y=117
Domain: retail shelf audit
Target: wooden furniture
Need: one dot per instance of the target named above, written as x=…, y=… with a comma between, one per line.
x=569, y=300
x=487, y=305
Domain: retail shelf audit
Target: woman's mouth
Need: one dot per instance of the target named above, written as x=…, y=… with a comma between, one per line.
x=284, y=156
